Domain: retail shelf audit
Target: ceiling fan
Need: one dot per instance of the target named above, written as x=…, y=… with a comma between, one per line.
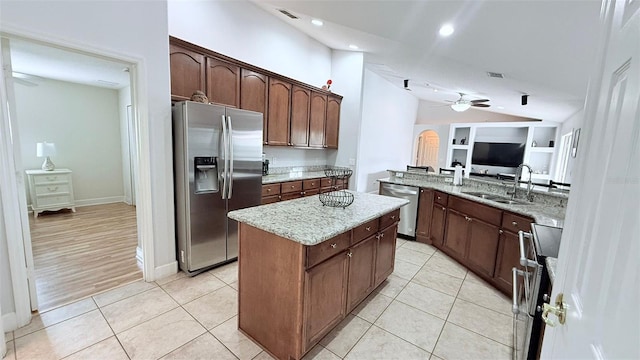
x=463, y=104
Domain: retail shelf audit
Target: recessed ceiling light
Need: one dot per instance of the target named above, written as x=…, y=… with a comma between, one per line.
x=353, y=47
x=446, y=30
x=317, y=22
x=435, y=90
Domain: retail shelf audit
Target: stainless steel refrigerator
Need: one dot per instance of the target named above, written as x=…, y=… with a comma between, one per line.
x=217, y=169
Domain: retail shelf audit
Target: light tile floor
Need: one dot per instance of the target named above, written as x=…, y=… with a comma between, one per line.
x=429, y=308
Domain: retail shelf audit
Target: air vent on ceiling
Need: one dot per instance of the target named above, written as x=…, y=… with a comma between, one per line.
x=495, y=75
x=284, y=11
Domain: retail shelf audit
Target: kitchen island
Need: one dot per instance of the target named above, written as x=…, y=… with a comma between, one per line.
x=304, y=266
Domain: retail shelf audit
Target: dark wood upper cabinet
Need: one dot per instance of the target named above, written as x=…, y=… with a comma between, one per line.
x=317, y=120
x=223, y=82
x=332, y=126
x=278, y=119
x=300, y=102
x=187, y=72
x=254, y=90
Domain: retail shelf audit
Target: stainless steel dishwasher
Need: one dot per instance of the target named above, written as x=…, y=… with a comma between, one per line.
x=409, y=212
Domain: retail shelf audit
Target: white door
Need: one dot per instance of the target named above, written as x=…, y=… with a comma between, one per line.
x=598, y=270
x=428, y=146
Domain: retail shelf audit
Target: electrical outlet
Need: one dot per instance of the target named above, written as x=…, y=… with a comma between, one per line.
x=400, y=175
x=448, y=180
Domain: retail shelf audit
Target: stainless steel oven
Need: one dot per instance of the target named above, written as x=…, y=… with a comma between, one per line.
x=530, y=282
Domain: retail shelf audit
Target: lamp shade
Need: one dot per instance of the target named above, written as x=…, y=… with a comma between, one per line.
x=460, y=106
x=45, y=149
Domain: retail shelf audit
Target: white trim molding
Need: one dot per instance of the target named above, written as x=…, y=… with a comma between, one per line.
x=139, y=254
x=9, y=322
x=166, y=270
x=100, y=201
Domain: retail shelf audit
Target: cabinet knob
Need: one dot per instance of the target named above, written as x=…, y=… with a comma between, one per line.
x=500, y=232
x=439, y=198
x=268, y=190
x=381, y=235
x=467, y=218
x=443, y=208
x=349, y=254
x=334, y=245
x=393, y=217
x=368, y=228
x=514, y=223
x=421, y=190
x=293, y=186
x=303, y=193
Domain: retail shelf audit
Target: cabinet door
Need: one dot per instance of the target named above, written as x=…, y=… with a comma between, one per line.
x=425, y=209
x=253, y=95
x=436, y=230
x=385, y=254
x=187, y=72
x=457, y=233
x=361, y=267
x=507, y=258
x=279, y=106
x=300, y=102
x=317, y=119
x=332, y=126
x=483, y=246
x=223, y=82
x=325, y=290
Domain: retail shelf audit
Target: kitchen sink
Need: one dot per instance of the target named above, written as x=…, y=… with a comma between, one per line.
x=496, y=198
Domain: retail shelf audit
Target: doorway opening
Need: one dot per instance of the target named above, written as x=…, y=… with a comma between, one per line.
x=85, y=240
x=427, y=149
x=562, y=170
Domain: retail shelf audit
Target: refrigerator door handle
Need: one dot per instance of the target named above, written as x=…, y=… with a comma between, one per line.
x=231, y=159
x=226, y=159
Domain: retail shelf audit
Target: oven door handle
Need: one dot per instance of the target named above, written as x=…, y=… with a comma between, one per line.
x=515, y=309
x=523, y=258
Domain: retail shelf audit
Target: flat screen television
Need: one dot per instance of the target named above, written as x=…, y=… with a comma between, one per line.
x=497, y=154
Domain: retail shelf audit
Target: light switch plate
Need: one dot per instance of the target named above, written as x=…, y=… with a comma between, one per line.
x=448, y=180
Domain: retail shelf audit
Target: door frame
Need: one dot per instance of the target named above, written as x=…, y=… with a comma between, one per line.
x=10, y=176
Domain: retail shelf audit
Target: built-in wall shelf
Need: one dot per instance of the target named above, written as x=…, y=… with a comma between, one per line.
x=538, y=138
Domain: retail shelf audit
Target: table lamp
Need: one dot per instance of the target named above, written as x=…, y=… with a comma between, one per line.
x=45, y=149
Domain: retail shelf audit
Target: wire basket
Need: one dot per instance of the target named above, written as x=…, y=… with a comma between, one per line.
x=338, y=173
x=337, y=198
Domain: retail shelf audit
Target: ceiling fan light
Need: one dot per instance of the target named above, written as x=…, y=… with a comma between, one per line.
x=460, y=106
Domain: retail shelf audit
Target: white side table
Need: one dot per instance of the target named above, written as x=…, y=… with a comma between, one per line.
x=50, y=190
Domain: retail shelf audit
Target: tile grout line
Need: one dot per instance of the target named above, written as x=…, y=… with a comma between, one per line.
x=113, y=331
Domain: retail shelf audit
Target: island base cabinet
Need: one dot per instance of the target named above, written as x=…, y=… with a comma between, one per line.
x=291, y=295
x=324, y=294
x=386, y=254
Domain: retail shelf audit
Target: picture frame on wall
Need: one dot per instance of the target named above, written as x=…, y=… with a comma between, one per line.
x=574, y=145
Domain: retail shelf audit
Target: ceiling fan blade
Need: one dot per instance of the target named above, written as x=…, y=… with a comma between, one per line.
x=481, y=105
x=479, y=101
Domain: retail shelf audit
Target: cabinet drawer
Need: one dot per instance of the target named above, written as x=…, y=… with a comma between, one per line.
x=325, y=182
x=311, y=192
x=318, y=253
x=290, y=196
x=62, y=199
x=270, y=199
x=365, y=230
x=50, y=179
x=473, y=209
x=515, y=223
x=291, y=186
x=270, y=189
x=389, y=219
x=440, y=198
x=311, y=184
x=52, y=189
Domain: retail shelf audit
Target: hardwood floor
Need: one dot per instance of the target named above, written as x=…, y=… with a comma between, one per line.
x=80, y=254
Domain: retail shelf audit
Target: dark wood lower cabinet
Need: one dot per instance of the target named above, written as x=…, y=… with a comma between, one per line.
x=438, y=221
x=362, y=258
x=425, y=209
x=386, y=253
x=324, y=292
x=508, y=257
x=457, y=235
x=483, y=245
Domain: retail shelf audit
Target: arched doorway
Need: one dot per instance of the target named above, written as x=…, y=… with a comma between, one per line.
x=427, y=149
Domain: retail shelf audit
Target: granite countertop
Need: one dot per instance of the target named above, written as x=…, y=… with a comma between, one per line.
x=307, y=221
x=552, y=264
x=542, y=213
x=291, y=176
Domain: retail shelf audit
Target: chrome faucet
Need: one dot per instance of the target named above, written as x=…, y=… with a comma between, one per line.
x=516, y=182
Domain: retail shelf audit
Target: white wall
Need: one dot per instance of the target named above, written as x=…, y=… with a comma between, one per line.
x=282, y=156
x=388, y=117
x=443, y=133
x=347, y=73
x=576, y=121
x=115, y=28
x=83, y=122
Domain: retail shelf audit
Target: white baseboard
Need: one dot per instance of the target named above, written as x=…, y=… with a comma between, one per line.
x=9, y=322
x=100, y=201
x=139, y=255
x=166, y=270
